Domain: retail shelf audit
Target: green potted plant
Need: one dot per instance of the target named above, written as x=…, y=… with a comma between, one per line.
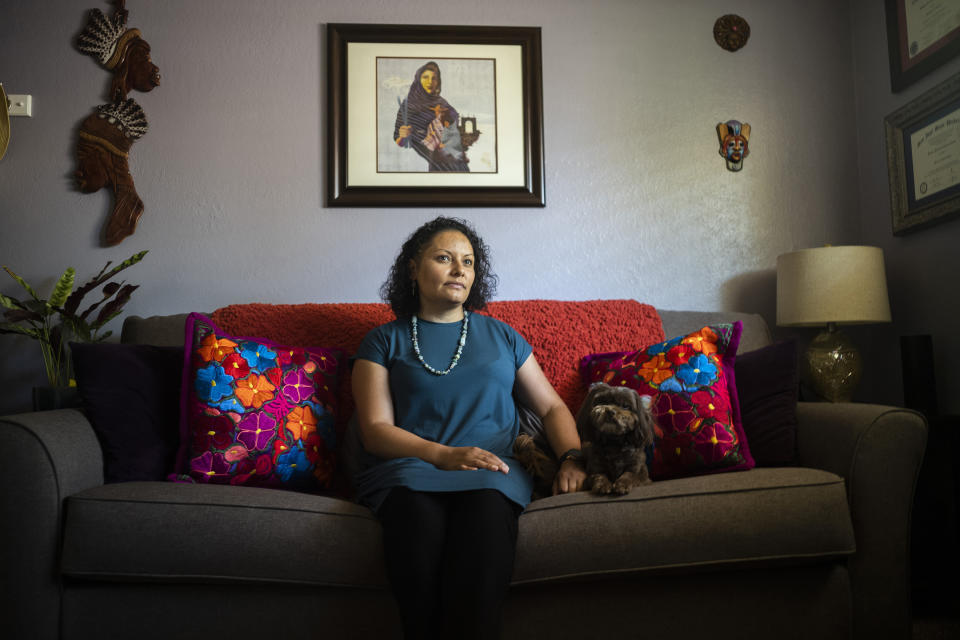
x=57, y=320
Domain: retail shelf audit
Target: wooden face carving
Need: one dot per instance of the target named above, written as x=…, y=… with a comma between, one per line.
x=136, y=71
x=105, y=137
x=143, y=75
x=93, y=167
x=102, y=150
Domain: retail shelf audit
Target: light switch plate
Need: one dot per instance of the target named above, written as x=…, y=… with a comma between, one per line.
x=18, y=105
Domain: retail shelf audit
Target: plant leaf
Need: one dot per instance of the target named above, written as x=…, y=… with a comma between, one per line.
x=38, y=306
x=110, y=288
x=23, y=283
x=11, y=303
x=63, y=288
x=7, y=327
x=115, y=306
x=109, y=262
x=73, y=302
x=19, y=315
x=83, y=316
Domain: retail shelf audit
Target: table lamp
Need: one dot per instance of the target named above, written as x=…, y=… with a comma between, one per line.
x=832, y=286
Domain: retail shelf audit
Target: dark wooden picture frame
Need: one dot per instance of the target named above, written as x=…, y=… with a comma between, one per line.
x=524, y=187
x=932, y=119
x=903, y=70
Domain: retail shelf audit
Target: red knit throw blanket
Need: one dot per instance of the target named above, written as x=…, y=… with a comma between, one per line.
x=560, y=332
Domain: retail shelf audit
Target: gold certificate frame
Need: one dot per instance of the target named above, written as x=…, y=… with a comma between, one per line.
x=473, y=138
x=923, y=158
x=921, y=36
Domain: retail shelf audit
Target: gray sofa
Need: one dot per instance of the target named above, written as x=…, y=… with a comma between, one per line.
x=819, y=550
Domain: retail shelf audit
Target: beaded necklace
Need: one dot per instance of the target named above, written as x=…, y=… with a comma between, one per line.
x=456, y=356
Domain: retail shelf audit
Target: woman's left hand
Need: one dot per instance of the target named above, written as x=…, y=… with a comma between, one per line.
x=569, y=478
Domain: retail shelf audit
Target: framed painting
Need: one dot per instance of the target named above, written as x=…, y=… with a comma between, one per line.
x=923, y=158
x=921, y=36
x=423, y=116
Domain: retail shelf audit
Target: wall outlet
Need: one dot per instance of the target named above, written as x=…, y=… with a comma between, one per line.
x=20, y=105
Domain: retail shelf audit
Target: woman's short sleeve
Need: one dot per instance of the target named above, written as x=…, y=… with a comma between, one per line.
x=521, y=348
x=375, y=347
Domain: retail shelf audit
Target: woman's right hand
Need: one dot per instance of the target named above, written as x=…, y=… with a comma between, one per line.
x=404, y=132
x=468, y=459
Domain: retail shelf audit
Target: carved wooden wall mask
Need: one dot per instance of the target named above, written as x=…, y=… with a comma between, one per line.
x=105, y=137
x=122, y=51
x=104, y=140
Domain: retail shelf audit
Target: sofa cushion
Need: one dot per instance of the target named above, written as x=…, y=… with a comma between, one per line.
x=691, y=382
x=163, y=531
x=169, y=532
x=255, y=412
x=767, y=385
x=131, y=395
x=760, y=517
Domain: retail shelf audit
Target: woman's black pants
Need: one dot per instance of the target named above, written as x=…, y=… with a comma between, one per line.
x=449, y=560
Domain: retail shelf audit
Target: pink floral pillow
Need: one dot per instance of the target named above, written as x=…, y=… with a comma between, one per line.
x=694, y=399
x=254, y=412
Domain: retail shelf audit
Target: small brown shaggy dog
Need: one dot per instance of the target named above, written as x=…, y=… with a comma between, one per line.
x=616, y=426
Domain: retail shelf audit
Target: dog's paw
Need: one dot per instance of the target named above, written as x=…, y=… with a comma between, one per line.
x=628, y=481
x=622, y=486
x=600, y=484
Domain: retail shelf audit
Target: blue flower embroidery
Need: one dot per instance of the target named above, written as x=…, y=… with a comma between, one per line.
x=294, y=467
x=213, y=383
x=231, y=404
x=663, y=347
x=259, y=357
x=699, y=371
x=671, y=385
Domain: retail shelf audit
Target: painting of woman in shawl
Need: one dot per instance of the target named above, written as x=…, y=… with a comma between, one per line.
x=429, y=125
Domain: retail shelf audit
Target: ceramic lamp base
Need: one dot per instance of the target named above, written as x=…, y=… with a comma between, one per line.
x=832, y=366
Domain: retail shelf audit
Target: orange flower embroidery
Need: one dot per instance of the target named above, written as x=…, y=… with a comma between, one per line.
x=704, y=341
x=301, y=422
x=655, y=370
x=213, y=349
x=254, y=390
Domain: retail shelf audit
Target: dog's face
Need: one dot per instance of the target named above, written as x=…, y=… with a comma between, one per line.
x=615, y=416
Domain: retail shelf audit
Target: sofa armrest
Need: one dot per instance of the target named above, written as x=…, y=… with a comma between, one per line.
x=878, y=450
x=48, y=455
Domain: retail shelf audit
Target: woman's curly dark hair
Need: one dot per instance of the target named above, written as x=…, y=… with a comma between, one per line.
x=398, y=292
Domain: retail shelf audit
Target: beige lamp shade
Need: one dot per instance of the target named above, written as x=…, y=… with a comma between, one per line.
x=842, y=285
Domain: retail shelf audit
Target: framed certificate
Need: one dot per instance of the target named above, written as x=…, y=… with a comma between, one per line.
x=434, y=116
x=923, y=158
x=921, y=36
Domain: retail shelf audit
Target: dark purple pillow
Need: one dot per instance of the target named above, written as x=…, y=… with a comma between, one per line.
x=767, y=384
x=131, y=395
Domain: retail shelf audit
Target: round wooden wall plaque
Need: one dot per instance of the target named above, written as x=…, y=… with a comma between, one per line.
x=731, y=32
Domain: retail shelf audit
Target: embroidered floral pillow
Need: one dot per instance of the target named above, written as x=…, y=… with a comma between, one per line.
x=254, y=412
x=694, y=399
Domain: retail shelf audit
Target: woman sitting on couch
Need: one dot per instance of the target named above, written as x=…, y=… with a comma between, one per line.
x=434, y=400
